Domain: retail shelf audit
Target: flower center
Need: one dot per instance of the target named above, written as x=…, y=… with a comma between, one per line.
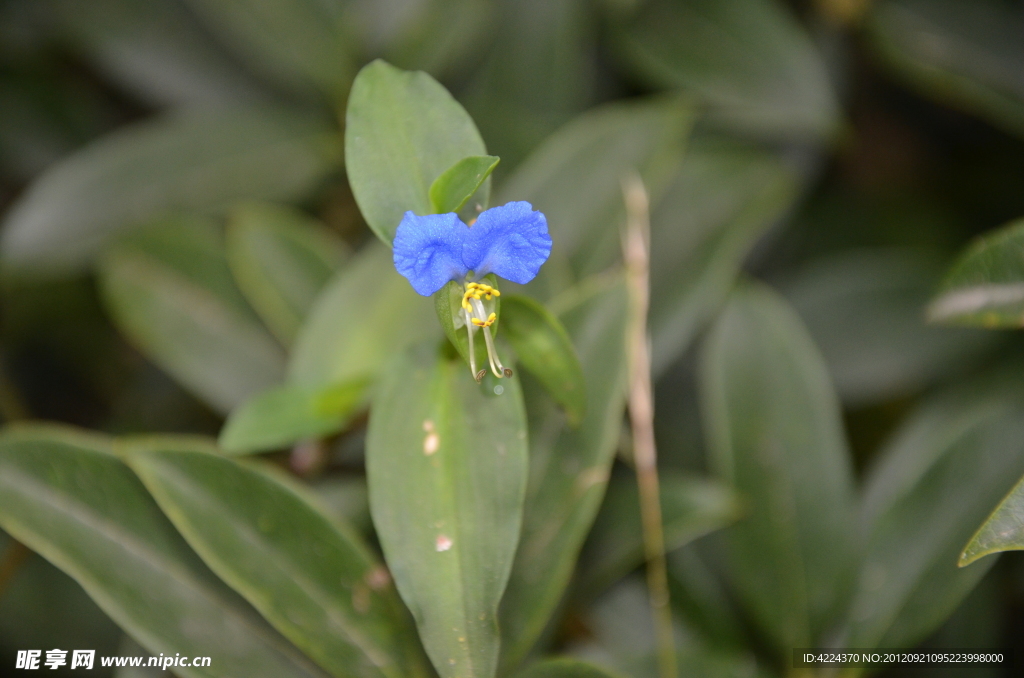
x=477, y=317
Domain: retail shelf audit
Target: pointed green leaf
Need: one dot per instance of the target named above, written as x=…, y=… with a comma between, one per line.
x=169, y=289
x=544, y=349
x=1001, y=531
x=156, y=49
x=446, y=461
x=457, y=184
x=65, y=495
x=775, y=433
x=575, y=178
x=281, y=259
x=203, y=160
x=538, y=74
x=931, y=487
x=301, y=42
x=311, y=578
x=724, y=196
x=690, y=508
x=863, y=309
x=365, y=314
x=402, y=131
x=564, y=667
x=985, y=287
x=569, y=469
x=448, y=306
x=750, y=60
x=437, y=36
x=287, y=414
x=967, y=54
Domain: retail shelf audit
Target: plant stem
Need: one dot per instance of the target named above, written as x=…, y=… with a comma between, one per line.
x=635, y=247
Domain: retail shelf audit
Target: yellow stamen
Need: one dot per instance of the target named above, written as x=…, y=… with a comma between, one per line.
x=485, y=323
x=474, y=311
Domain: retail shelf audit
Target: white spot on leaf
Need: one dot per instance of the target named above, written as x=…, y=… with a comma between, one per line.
x=442, y=543
x=431, y=443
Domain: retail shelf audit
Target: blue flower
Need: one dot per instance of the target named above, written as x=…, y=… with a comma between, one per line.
x=510, y=241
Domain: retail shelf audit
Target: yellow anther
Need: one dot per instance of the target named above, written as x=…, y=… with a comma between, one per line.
x=485, y=323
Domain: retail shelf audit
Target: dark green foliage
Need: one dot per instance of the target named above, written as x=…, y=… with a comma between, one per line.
x=192, y=194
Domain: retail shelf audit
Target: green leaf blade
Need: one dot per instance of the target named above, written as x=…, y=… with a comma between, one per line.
x=966, y=54
x=564, y=667
x=748, y=59
x=68, y=497
x=931, y=487
x=402, y=131
x=776, y=435
x=1001, y=531
x=300, y=44
x=569, y=469
x=985, y=287
x=365, y=314
x=169, y=289
x=457, y=184
x=447, y=468
x=722, y=198
x=690, y=508
x=281, y=259
x=288, y=414
x=575, y=178
x=544, y=349
x=196, y=161
x=315, y=583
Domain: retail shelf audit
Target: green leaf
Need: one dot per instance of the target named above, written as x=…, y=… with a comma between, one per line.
x=699, y=593
x=448, y=306
x=544, y=349
x=281, y=259
x=446, y=462
x=402, y=131
x=156, y=49
x=564, y=667
x=457, y=184
x=985, y=287
x=346, y=498
x=168, y=288
x=197, y=160
x=690, y=508
x=723, y=198
x=863, y=309
x=537, y=75
x=65, y=495
x=621, y=637
x=575, y=178
x=42, y=605
x=931, y=487
x=312, y=579
x=302, y=42
x=775, y=433
x=366, y=314
x=287, y=414
x=749, y=60
x=1001, y=531
x=966, y=54
x=568, y=469
x=440, y=37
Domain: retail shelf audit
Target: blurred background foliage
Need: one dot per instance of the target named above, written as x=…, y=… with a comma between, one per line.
x=175, y=203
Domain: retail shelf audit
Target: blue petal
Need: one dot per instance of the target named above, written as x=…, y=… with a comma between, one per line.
x=428, y=250
x=510, y=241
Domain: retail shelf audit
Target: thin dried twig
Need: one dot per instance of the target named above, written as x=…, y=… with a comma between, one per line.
x=635, y=247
